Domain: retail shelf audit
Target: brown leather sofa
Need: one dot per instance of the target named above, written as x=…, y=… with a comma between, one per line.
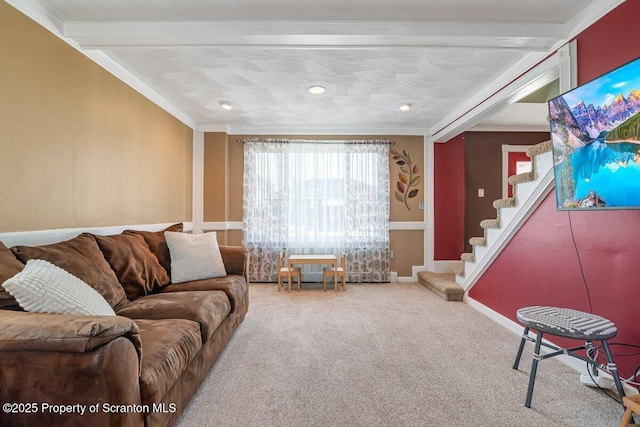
x=138, y=368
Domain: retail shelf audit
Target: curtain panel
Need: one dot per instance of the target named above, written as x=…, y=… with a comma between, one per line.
x=264, y=225
x=366, y=216
x=317, y=197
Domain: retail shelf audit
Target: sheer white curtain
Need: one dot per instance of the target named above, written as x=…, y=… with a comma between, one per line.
x=366, y=217
x=316, y=197
x=308, y=198
x=265, y=206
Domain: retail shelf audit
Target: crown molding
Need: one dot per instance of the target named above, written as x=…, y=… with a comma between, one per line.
x=327, y=131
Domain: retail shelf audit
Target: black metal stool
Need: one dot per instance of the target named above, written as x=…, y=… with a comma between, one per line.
x=563, y=322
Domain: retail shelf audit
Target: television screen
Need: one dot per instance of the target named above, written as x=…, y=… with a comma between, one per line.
x=595, y=135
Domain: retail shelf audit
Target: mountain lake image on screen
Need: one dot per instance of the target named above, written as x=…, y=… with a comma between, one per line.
x=595, y=135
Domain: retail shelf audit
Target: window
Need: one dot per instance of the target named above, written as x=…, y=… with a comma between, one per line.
x=324, y=197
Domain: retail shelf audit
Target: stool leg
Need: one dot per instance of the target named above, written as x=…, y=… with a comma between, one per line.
x=534, y=368
x=611, y=366
x=522, y=342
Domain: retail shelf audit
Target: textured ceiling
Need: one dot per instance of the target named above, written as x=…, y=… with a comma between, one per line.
x=371, y=55
x=269, y=86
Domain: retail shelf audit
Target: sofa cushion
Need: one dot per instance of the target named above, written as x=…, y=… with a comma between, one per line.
x=234, y=258
x=63, y=332
x=46, y=288
x=168, y=346
x=194, y=256
x=233, y=285
x=81, y=257
x=158, y=244
x=137, y=268
x=9, y=267
x=207, y=308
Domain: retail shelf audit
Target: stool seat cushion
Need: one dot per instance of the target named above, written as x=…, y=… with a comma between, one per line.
x=569, y=323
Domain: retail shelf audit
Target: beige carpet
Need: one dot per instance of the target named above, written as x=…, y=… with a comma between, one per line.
x=383, y=355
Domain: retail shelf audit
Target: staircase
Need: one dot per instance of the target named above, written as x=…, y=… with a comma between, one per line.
x=529, y=189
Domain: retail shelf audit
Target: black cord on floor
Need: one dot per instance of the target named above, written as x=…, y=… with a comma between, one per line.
x=586, y=287
x=584, y=279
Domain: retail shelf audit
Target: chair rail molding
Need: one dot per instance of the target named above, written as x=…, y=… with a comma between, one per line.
x=237, y=225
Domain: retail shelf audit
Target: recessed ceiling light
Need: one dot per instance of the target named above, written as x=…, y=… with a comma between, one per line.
x=405, y=107
x=227, y=105
x=317, y=89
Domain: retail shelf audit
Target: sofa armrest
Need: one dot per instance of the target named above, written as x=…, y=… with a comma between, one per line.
x=109, y=374
x=70, y=360
x=235, y=259
x=21, y=331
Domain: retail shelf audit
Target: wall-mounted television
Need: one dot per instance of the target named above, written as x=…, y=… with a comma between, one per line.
x=595, y=135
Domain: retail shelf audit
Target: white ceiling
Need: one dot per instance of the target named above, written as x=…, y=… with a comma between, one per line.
x=441, y=56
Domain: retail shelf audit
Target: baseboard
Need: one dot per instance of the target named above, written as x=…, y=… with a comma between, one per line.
x=576, y=364
x=517, y=329
x=46, y=237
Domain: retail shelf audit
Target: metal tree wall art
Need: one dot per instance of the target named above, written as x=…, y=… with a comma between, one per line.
x=407, y=178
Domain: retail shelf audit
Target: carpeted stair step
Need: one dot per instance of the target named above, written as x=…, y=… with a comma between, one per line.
x=442, y=284
x=504, y=203
x=478, y=241
x=468, y=257
x=532, y=151
x=522, y=177
x=490, y=223
x=540, y=148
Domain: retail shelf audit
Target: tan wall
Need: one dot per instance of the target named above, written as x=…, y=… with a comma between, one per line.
x=216, y=184
x=215, y=152
x=408, y=245
x=234, y=237
x=236, y=171
x=78, y=147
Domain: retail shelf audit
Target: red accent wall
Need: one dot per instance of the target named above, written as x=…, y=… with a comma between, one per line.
x=449, y=199
x=540, y=265
x=610, y=42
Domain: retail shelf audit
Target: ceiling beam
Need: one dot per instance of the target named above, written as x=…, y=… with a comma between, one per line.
x=320, y=34
x=492, y=98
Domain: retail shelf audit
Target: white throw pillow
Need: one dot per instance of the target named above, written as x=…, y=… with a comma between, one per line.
x=194, y=256
x=46, y=288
